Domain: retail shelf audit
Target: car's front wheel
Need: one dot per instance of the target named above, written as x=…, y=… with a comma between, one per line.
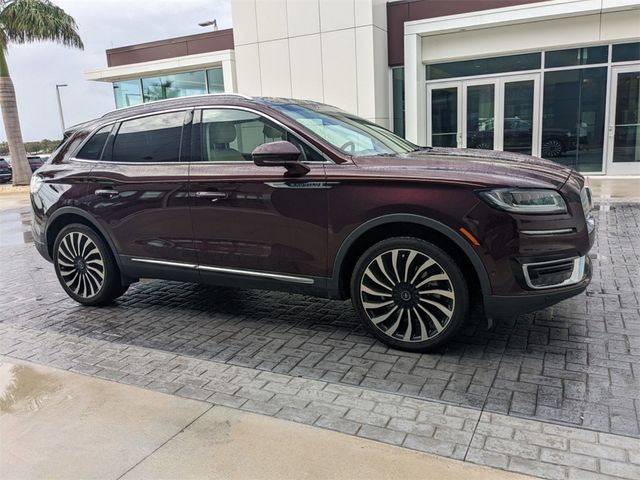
x=409, y=293
x=85, y=266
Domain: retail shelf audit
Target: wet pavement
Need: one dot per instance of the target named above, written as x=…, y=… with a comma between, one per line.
x=575, y=364
x=56, y=424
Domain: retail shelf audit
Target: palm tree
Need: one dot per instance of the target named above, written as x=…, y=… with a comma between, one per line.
x=26, y=21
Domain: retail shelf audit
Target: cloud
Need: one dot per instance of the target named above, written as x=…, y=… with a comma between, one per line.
x=37, y=68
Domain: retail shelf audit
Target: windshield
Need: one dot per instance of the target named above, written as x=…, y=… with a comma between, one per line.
x=349, y=134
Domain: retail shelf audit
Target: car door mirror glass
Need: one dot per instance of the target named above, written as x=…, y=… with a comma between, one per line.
x=279, y=154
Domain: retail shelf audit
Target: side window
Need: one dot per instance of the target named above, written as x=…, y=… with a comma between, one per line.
x=155, y=138
x=231, y=135
x=92, y=150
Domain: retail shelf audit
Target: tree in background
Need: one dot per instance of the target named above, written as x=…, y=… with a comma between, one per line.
x=26, y=21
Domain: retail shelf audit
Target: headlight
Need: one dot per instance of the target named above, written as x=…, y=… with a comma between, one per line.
x=36, y=183
x=525, y=200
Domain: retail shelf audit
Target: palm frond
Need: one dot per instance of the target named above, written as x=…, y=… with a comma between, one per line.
x=26, y=21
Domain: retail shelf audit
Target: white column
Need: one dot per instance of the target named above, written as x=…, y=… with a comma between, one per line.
x=229, y=74
x=414, y=90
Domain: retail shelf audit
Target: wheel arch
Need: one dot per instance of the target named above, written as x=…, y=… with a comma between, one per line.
x=67, y=215
x=385, y=226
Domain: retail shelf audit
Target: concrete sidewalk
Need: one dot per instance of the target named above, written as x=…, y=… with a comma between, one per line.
x=56, y=424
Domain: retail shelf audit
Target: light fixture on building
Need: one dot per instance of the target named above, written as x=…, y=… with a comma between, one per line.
x=208, y=23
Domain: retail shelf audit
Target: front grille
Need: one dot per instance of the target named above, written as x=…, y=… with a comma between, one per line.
x=555, y=273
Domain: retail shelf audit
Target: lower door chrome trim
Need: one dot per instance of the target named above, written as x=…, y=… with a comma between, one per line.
x=166, y=263
x=231, y=271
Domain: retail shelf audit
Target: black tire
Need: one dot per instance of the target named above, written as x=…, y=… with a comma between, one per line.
x=386, y=293
x=86, y=267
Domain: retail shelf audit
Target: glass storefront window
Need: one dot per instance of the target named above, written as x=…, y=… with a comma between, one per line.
x=484, y=66
x=215, y=80
x=573, y=117
x=444, y=117
x=576, y=56
x=171, y=86
x=626, y=144
x=480, y=116
x=397, y=79
x=127, y=93
x=518, y=116
x=626, y=52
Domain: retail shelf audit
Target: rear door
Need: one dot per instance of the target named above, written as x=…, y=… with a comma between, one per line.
x=139, y=192
x=249, y=218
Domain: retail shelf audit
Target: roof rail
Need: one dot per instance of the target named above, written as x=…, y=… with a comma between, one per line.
x=140, y=105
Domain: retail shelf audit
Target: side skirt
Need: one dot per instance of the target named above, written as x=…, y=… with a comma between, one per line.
x=137, y=267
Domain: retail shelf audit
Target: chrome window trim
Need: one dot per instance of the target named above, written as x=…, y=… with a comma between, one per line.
x=234, y=271
x=73, y=157
x=113, y=122
x=577, y=274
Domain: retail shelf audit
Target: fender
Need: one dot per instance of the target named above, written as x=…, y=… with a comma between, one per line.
x=94, y=223
x=451, y=234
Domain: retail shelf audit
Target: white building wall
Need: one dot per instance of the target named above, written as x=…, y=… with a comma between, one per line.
x=331, y=51
x=534, y=36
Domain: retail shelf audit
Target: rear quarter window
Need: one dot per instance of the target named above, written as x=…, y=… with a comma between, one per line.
x=92, y=150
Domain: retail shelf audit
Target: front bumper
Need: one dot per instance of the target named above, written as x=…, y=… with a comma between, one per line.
x=502, y=305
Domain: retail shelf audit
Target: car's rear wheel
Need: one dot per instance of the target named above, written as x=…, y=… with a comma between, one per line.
x=410, y=294
x=86, y=267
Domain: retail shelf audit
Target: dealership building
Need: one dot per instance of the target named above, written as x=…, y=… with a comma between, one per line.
x=558, y=79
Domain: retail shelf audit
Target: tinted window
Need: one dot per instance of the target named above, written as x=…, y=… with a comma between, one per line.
x=149, y=139
x=484, y=66
x=92, y=150
x=573, y=117
x=576, y=56
x=626, y=52
x=231, y=135
x=398, y=100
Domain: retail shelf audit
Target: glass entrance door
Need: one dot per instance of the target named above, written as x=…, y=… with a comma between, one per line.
x=623, y=152
x=444, y=104
x=499, y=113
x=520, y=114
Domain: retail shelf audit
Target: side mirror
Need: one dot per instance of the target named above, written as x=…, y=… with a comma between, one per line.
x=280, y=154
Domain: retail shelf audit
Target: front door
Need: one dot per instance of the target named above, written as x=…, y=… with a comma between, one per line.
x=623, y=151
x=139, y=190
x=254, y=222
x=496, y=113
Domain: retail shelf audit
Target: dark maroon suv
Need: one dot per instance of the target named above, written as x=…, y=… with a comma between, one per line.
x=293, y=195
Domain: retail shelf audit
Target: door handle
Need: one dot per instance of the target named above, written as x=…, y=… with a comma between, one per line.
x=214, y=196
x=106, y=192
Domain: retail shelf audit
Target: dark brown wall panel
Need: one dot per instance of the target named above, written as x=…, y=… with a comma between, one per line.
x=407, y=10
x=171, y=47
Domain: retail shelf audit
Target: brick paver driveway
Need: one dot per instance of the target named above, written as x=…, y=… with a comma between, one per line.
x=576, y=364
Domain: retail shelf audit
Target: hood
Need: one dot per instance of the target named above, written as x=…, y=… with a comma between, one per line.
x=479, y=167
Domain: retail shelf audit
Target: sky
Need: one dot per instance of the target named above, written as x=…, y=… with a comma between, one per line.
x=37, y=68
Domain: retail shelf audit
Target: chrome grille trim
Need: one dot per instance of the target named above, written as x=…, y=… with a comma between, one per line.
x=577, y=273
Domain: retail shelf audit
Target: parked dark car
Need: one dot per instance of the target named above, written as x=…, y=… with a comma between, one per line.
x=35, y=162
x=303, y=197
x=5, y=171
x=518, y=135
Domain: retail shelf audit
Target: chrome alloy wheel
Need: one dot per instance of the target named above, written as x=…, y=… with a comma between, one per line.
x=81, y=264
x=407, y=295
